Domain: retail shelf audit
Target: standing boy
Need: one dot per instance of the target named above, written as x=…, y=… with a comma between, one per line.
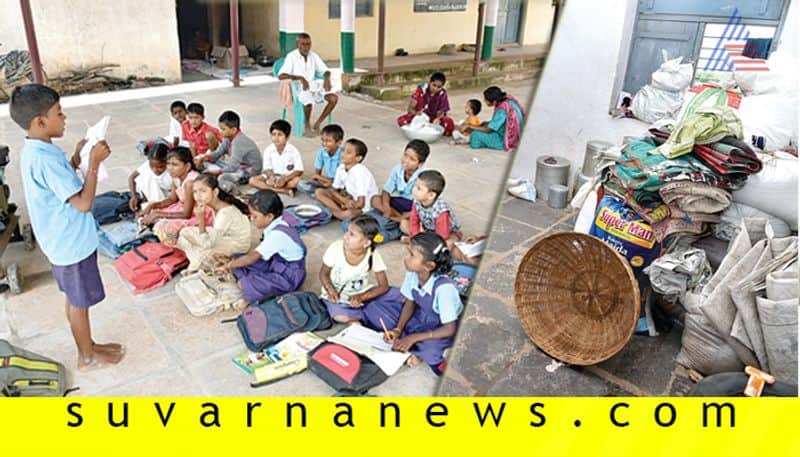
x=354, y=185
x=328, y=159
x=60, y=206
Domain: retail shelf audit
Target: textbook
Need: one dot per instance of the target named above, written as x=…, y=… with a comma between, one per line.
x=292, y=346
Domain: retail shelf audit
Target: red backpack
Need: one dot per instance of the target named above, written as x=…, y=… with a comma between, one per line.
x=150, y=265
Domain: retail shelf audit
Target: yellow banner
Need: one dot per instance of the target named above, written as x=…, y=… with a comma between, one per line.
x=673, y=427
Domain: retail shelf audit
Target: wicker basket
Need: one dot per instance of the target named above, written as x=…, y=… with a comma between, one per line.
x=577, y=298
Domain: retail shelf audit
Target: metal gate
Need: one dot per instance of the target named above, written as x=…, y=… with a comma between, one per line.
x=509, y=22
x=679, y=26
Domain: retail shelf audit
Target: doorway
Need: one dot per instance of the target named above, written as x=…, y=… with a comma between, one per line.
x=509, y=22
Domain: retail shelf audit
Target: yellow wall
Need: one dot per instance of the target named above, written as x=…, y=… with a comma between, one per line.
x=538, y=22
x=415, y=32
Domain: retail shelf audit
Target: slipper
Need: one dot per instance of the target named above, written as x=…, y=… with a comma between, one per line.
x=524, y=190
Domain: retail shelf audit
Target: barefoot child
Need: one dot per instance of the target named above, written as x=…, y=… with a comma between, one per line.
x=150, y=182
x=278, y=265
x=230, y=233
x=346, y=268
x=242, y=157
x=430, y=212
x=354, y=185
x=401, y=182
x=426, y=320
x=328, y=159
x=200, y=135
x=472, y=108
x=283, y=165
x=177, y=210
x=59, y=205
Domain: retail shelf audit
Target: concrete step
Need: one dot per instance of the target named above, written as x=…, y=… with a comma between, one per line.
x=421, y=72
x=400, y=91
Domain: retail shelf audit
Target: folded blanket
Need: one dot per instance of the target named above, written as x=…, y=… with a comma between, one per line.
x=728, y=156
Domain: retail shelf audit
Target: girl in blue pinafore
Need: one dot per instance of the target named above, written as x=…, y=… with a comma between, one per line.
x=278, y=265
x=427, y=319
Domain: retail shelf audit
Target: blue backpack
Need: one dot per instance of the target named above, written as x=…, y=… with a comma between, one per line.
x=389, y=229
x=265, y=324
x=110, y=207
x=297, y=218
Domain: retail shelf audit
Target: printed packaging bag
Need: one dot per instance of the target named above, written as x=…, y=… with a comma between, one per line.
x=626, y=232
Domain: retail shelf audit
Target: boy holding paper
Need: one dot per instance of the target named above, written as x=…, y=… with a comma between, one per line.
x=59, y=205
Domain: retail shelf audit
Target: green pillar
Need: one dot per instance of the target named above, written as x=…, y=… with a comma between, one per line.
x=488, y=43
x=348, y=40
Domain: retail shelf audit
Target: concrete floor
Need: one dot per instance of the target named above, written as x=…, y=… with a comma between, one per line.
x=494, y=356
x=171, y=353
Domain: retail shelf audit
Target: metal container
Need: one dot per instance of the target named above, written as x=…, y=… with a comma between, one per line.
x=550, y=170
x=591, y=157
x=580, y=180
x=557, y=196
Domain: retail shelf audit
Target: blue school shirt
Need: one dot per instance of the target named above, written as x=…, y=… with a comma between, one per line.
x=447, y=302
x=65, y=234
x=396, y=184
x=326, y=163
x=277, y=242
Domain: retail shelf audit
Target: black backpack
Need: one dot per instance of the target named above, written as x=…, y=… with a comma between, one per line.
x=349, y=373
x=264, y=324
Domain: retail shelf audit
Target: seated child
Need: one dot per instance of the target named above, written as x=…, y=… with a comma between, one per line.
x=178, y=110
x=353, y=187
x=197, y=132
x=327, y=161
x=425, y=322
x=401, y=182
x=346, y=268
x=242, y=157
x=278, y=265
x=150, y=182
x=431, y=100
x=430, y=212
x=283, y=165
x=230, y=233
x=175, y=212
x=472, y=108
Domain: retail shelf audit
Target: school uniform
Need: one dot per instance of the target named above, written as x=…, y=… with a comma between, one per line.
x=438, y=303
x=67, y=237
x=327, y=164
x=401, y=191
x=281, y=268
x=358, y=181
x=282, y=163
x=154, y=188
x=439, y=218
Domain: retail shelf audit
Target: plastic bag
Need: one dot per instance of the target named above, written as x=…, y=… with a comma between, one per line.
x=774, y=189
x=672, y=75
x=772, y=116
x=651, y=104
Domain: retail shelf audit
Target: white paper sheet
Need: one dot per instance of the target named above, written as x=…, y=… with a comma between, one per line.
x=471, y=250
x=370, y=344
x=94, y=134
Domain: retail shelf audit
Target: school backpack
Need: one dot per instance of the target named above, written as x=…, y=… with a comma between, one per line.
x=304, y=217
x=264, y=324
x=349, y=373
x=113, y=206
x=26, y=374
x=205, y=294
x=389, y=229
x=150, y=265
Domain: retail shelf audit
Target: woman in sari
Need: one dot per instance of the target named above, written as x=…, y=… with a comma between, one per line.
x=503, y=131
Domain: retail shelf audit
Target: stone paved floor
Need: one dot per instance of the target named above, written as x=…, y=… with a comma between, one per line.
x=494, y=356
x=171, y=353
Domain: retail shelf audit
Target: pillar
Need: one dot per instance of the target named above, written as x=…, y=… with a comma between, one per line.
x=488, y=29
x=348, y=35
x=291, y=21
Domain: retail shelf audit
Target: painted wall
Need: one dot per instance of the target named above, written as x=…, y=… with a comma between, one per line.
x=75, y=33
x=538, y=22
x=414, y=32
x=260, y=24
x=573, y=97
